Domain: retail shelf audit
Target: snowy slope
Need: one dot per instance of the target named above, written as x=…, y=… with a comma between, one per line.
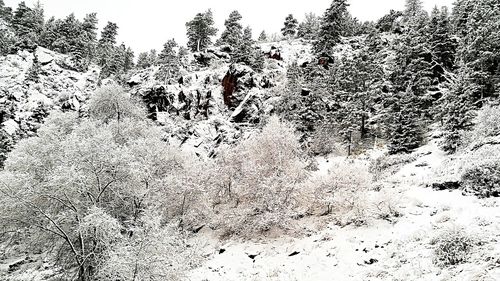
x=380, y=250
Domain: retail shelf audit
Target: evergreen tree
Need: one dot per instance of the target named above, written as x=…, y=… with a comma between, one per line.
x=309, y=28
x=89, y=37
x=246, y=53
x=442, y=44
x=263, y=36
x=128, y=62
x=200, y=30
x=332, y=27
x=5, y=12
x=290, y=27
x=477, y=24
x=456, y=109
x=233, y=33
x=108, y=34
x=34, y=71
x=357, y=84
x=168, y=60
x=142, y=60
x=28, y=25
x=414, y=14
x=389, y=22
x=405, y=131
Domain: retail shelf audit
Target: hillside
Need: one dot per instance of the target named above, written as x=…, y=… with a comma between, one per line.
x=337, y=149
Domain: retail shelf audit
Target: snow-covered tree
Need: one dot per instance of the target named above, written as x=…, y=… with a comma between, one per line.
x=309, y=28
x=290, y=26
x=332, y=27
x=233, y=33
x=200, y=31
x=263, y=36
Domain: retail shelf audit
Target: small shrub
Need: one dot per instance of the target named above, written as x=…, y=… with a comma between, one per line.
x=453, y=247
x=483, y=179
x=343, y=192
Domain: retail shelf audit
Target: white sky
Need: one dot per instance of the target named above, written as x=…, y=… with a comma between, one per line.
x=147, y=24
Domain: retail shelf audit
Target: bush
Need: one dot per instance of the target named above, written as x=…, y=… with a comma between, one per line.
x=111, y=102
x=255, y=183
x=342, y=192
x=453, y=247
x=483, y=179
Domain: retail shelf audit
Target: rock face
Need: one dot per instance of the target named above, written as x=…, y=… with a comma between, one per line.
x=237, y=79
x=25, y=104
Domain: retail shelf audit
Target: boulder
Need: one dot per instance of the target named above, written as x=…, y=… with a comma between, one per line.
x=45, y=56
x=10, y=127
x=205, y=58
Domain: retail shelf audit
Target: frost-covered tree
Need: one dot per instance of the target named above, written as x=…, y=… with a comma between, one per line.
x=476, y=24
x=309, y=28
x=389, y=22
x=290, y=26
x=263, y=36
x=442, y=43
x=456, y=109
x=233, y=33
x=332, y=27
x=27, y=24
x=5, y=12
x=168, y=59
x=108, y=34
x=405, y=127
x=85, y=185
x=247, y=53
x=200, y=31
x=34, y=71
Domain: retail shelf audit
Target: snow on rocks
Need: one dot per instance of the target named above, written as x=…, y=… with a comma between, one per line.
x=26, y=102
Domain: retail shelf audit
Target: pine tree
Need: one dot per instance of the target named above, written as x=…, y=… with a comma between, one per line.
x=142, y=61
x=309, y=28
x=442, y=44
x=34, y=71
x=290, y=27
x=108, y=34
x=5, y=12
x=28, y=25
x=233, y=33
x=128, y=62
x=200, y=30
x=49, y=33
x=456, y=109
x=168, y=60
x=388, y=23
x=89, y=37
x=332, y=26
x=477, y=23
x=357, y=84
x=405, y=131
x=263, y=36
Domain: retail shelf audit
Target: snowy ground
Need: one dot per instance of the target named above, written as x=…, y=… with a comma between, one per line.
x=379, y=251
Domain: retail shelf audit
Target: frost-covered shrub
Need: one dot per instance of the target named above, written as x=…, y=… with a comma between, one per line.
x=452, y=247
x=342, y=192
x=111, y=102
x=255, y=188
x=154, y=252
x=483, y=179
x=488, y=123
